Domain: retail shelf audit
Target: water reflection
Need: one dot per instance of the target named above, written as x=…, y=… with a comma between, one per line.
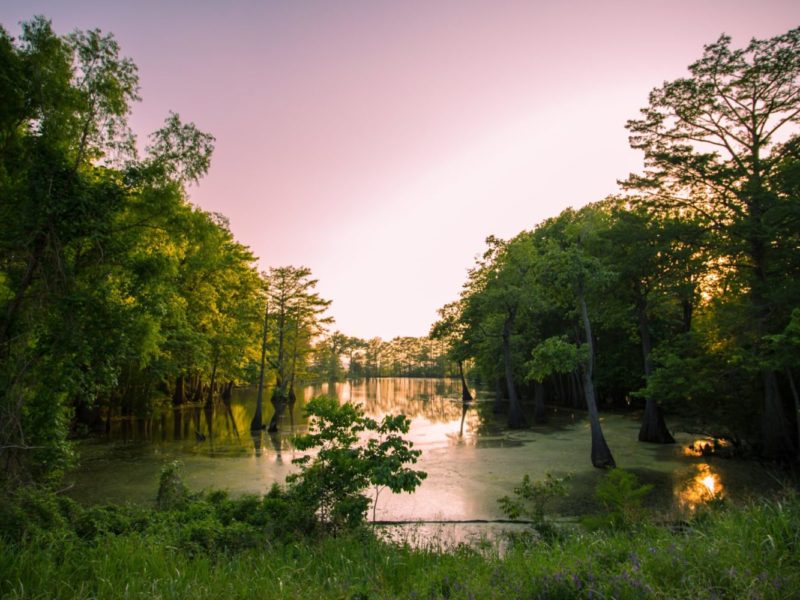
x=703, y=486
x=709, y=446
x=465, y=405
x=214, y=430
x=470, y=456
x=437, y=400
x=256, y=435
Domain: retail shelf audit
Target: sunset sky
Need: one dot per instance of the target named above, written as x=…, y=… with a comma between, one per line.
x=379, y=143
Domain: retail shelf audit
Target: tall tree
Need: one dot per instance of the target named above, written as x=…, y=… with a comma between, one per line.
x=569, y=276
x=297, y=316
x=68, y=101
x=257, y=423
x=495, y=296
x=451, y=329
x=94, y=240
x=710, y=142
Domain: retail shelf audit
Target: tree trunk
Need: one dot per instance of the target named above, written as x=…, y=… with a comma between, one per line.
x=796, y=399
x=212, y=384
x=688, y=309
x=197, y=393
x=777, y=441
x=177, y=424
x=558, y=384
x=516, y=420
x=227, y=390
x=465, y=394
x=292, y=399
x=539, y=409
x=257, y=422
x=575, y=389
x=654, y=428
x=775, y=430
x=497, y=405
x=179, y=395
x=601, y=453
x=279, y=402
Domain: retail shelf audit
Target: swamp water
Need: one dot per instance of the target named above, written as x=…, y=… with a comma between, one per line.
x=470, y=456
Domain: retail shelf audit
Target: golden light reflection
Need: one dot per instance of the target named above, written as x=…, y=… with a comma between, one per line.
x=704, y=486
x=710, y=484
x=708, y=446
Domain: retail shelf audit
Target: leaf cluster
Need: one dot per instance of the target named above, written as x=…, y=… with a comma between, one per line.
x=351, y=453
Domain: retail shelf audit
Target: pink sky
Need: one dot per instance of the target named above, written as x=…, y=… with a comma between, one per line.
x=379, y=143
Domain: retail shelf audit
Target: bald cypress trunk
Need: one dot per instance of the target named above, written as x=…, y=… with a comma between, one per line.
x=796, y=399
x=465, y=394
x=178, y=396
x=257, y=422
x=601, y=453
x=777, y=440
x=539, y=410
x=279, y=402
x=516, y=420
x=213, y=383
x=497, y=405
x=654, y=428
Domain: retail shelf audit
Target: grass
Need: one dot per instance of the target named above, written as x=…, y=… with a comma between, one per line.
x=216, y=547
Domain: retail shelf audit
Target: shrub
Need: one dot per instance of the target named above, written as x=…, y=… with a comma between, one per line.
x=621, y=495
x=33, y=511
x=331, y=483
x=172, y=492
x=530, y=501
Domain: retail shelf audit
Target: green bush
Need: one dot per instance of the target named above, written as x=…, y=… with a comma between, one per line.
x=742, y=552
x=172, y=492
x=621, y=495
x=99, y=521
x=530, y=501
x=30, y=512
x=331, y=482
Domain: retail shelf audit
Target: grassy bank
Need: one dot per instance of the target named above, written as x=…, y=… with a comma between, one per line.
x=217, y=547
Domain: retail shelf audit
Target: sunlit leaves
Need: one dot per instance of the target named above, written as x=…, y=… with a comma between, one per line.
x=180, y=151
x=353, y=452
x=555, y=355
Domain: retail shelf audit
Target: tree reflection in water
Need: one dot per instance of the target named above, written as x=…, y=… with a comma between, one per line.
x=471, y=457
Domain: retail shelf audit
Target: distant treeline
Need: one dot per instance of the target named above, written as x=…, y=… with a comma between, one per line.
x=341, y=356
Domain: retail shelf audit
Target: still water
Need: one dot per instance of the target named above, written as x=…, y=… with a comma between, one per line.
x=471, y=458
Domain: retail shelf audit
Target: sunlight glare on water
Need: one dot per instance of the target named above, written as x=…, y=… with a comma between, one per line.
x=704, y=486
x=471, y=457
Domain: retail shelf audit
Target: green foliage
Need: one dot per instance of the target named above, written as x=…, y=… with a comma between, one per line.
x=711, y=154
x=346, y=462
x=749, y=551
x=622, y=496
x=31, y=512
x=530, y=501
x=684, y=288
x=402, y=356
x=555, y=355
x=172, y=492
x=179, y=151
x=112, y=285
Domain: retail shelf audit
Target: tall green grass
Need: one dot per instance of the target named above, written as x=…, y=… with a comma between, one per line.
x=746, y=552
